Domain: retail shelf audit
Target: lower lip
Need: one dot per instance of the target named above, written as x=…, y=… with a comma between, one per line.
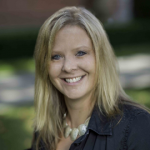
x=74, y=83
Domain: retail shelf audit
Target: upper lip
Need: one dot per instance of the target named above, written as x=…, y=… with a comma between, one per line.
x=72, y=77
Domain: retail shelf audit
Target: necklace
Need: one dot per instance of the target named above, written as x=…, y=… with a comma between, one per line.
x=73, y=133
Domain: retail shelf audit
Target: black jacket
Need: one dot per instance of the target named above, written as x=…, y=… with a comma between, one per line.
x=129, y=131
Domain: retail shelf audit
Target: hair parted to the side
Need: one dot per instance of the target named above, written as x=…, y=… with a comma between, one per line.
x=49, y=103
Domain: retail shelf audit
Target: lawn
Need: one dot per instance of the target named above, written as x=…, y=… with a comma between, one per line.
x=16, y=127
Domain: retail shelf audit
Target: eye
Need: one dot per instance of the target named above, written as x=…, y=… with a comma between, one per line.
x=80, y=53
x=56, y=57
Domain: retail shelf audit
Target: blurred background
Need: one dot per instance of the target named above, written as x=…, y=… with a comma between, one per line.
x=127, y=23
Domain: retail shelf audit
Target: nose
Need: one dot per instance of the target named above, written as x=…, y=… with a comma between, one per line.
x=69, y=64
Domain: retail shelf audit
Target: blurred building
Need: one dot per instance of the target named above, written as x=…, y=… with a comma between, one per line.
x=35, y=12
x=119, y=11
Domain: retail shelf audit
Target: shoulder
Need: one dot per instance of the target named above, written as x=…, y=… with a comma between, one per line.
x=133, y=109
x=134, y=115
x=137, y=128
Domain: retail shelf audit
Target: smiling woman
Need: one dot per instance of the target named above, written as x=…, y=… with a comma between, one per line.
x=79, y=102
x=73, y=71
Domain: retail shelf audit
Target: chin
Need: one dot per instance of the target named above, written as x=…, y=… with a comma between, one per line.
x=72, y=96
x=75, y=96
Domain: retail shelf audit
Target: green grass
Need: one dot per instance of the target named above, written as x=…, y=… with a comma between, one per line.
x=141, y=96
x=16, y=128
x=9, y=67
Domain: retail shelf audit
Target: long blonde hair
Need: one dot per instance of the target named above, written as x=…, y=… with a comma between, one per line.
x=49, y=103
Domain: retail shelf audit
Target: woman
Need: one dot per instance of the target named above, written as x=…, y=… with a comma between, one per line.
x=79, y=101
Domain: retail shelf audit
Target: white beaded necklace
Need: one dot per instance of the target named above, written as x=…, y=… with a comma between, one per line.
x=75, y=131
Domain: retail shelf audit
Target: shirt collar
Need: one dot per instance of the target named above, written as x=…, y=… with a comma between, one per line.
x=100, y=123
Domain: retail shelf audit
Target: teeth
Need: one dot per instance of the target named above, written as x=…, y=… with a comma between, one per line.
x=73, y=80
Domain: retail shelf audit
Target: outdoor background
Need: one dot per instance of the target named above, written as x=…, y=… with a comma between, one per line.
x=127, y=23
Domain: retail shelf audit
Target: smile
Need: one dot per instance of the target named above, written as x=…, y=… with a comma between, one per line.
x=72, y=80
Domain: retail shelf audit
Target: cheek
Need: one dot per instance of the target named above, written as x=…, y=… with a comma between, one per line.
x=90, y=64
x=54, y=70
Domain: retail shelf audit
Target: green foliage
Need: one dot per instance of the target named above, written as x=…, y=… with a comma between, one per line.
x=9, y=67
x=141, y=96
x=129, y=34
x=16, y=128
x=20, y=43
x=126, y=50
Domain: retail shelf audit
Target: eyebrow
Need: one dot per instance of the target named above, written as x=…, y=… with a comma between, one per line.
x=79, y=47
x=82, y=47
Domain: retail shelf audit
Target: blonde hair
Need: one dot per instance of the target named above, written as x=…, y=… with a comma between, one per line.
x=49, y=103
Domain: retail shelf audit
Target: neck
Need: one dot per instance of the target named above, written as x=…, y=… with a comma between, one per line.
x=78, y=111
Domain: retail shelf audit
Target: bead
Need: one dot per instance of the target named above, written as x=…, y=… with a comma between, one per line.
x=65, y=115
x=82, y=129
x=67, y=131
x=65, y=124
x=74, y=134
x=87, y=122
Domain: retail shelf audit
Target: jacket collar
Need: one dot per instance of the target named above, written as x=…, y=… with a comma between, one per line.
x=100, y=123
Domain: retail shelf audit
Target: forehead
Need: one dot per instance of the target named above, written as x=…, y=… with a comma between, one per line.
x=71, y=36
